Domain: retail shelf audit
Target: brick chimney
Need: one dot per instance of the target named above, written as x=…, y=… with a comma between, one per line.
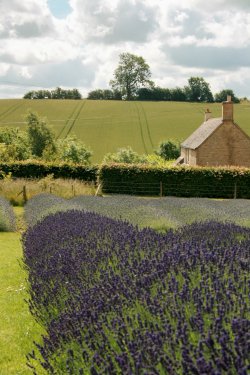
x=227, y=109
x=208, y=114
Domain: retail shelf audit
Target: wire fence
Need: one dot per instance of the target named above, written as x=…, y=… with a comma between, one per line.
x=185, y=189
x=163, y=189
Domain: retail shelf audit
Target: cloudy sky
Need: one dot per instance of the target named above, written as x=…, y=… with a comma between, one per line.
x=76, y=43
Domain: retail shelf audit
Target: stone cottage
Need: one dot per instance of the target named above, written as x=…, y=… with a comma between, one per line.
x=217, y=142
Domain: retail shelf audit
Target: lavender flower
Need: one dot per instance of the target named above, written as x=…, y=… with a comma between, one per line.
x=115, y=299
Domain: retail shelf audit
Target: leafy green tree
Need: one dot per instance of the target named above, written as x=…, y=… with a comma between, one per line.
x=222, y=96
x=198, y=90
x=95, y=94
x=39, y=134
x=168, y=150
x=132, y=73
x=72, y=150
x=178, y=94
x=124, y=155
x=14, y=144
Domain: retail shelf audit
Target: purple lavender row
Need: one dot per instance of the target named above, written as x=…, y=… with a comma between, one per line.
x=159, y=213
x=118, y=300
x=7, y=216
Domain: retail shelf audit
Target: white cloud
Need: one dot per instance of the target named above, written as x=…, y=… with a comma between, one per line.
x=177, y=39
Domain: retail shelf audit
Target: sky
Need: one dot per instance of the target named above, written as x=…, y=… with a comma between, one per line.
x=77, y=43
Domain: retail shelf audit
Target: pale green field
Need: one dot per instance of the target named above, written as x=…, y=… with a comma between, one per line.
x=105, y=126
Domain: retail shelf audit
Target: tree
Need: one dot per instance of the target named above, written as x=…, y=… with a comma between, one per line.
x=124, y=155
x=72, y=150
x=178, y=94
x=169, y=150
x=198, y=90
x=132, y=73
x=222, y=96
x=95, y=94
x=14, y=144
x=40, y=136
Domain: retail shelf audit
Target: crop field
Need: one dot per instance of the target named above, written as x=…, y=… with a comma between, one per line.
x=105, y=126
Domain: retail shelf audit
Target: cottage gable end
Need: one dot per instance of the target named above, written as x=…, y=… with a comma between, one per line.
x=200, y=135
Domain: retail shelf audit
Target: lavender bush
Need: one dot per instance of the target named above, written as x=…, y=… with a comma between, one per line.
x=168, y=211
x=118, y=300
x=7, y=216
x=42, y=205
x=158, y=213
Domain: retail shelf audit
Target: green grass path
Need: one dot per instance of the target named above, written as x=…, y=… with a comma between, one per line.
x=18, y=329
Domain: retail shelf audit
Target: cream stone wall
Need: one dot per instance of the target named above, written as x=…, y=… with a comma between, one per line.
x=228, y=145
x=189, y=156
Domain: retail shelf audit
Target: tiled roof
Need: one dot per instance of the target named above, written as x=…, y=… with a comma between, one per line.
x=202, y=133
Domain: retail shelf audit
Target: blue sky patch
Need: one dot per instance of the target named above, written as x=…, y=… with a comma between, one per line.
x=59, y=8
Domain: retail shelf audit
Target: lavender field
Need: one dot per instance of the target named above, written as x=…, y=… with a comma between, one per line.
x=162, y=214
x=115, y=299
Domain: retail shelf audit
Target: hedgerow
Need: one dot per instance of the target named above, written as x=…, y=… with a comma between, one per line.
x=140, y=179
x=38, y=169
x=176, y=181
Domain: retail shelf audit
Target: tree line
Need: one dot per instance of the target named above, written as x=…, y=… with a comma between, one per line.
x=57, y=93
x=132, y=82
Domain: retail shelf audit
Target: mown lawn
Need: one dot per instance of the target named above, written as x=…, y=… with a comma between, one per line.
x=18, y=329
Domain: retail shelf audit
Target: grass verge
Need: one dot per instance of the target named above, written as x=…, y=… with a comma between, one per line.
x=18, y=329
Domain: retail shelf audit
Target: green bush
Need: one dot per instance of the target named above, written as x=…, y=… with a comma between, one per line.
x=72, y=150
x=169, y=150
x=175, y=181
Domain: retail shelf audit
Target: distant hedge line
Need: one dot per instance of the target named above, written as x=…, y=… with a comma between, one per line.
x=35, y=169
x=144, y=180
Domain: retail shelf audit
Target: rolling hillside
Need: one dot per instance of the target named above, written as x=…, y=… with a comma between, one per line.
x=105, y=126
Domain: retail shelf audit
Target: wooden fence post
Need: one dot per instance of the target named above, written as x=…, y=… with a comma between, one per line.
x=235, y=190
x=161, y=189
x=24, y=194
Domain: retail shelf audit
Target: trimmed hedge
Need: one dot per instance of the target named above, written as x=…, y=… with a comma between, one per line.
x=176, y=181
x=143, y=179
x=39, y=169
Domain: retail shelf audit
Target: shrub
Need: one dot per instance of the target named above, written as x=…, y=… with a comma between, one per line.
x=7, y=216
x=71, y=150
x=14, y=145
x=124, y=155
x=40, y=206
x=169, y=150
